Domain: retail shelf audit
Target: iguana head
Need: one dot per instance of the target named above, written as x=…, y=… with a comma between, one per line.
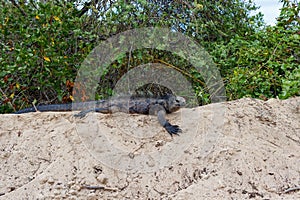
x=174, y=103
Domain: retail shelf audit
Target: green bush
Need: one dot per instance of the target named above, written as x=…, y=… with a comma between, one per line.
x=265, y=64
x=44, y=44
x=41, y=51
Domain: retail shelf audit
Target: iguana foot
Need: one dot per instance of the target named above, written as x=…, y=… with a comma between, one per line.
x=83, y=113
x=172, y=129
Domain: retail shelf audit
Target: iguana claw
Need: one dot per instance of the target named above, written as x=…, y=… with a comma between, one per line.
x=172, y=129
x=83, y=113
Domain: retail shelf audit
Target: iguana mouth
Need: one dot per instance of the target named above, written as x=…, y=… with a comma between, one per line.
x=175, y=103
x=180, y=101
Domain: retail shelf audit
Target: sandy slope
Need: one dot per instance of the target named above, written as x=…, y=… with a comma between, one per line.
x=245, y=149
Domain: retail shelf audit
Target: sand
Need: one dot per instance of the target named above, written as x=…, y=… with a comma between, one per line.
x=244, y=149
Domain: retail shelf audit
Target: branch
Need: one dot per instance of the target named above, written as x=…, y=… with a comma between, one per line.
x=87, y=7
x=17, y=6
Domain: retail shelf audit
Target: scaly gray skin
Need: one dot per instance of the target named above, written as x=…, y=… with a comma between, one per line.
x=153, y=106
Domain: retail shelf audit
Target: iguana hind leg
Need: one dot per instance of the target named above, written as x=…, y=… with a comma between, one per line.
x=83, y=113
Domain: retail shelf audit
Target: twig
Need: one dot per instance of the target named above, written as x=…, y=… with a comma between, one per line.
x=264, y=64
x=87, y=7
x=3, y=94
x=297, y=141
x=97, y=187
x=160, y=193
x=180, y=70
x=291, y=189
x=93, y=187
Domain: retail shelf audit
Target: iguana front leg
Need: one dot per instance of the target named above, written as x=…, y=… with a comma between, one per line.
x=161, y=116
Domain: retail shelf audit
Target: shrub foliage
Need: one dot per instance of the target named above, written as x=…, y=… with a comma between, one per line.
x=44, y=44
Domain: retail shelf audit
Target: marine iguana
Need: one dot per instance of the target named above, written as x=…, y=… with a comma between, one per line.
x=154, y=106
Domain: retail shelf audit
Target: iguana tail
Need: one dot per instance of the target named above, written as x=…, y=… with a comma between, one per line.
x=62, y=107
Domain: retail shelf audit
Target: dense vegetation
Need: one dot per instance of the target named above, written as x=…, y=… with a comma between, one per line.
x=44, y=44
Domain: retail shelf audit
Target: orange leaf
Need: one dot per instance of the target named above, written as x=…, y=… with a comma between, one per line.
x=5, y=78
x=69, y=83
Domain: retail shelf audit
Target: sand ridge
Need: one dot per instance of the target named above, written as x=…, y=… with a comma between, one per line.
x=255, y=156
